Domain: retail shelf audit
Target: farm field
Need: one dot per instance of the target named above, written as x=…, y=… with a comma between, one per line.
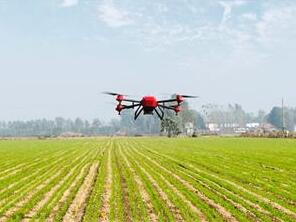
x=148, y=179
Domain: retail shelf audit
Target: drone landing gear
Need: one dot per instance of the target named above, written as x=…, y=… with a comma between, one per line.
x=161, y=114
x=138, y=112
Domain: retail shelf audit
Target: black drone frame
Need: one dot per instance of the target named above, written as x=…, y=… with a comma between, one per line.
x=159, y=110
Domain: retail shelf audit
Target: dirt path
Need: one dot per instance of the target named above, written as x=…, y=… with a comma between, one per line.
x=163, y=195
x=220, y=209
x=105, y=211
x=126, y=203
x=48, y=195
x=76, y=209
x=201, y=216
x=145, y=196
x=66, y=195
x=28, y=197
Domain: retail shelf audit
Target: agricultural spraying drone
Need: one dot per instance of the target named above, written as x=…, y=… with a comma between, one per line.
x=148, y=104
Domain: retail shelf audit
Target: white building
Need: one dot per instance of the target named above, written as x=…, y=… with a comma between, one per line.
x=189, y=128
x=253, y=125
x=213, y=127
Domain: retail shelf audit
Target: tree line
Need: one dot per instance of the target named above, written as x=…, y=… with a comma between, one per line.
x=282, y=118
x=125, y=125
x=56, y=127
x=236, y=114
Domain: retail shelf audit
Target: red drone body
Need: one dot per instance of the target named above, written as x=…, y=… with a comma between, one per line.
x=149, y=104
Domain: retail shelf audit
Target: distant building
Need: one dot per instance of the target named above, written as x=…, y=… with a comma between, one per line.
x=228, y=125
x=253, y=125
x=213, y=127
x=189, y=128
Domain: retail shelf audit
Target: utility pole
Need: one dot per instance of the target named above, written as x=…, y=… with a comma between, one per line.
x=283, y=116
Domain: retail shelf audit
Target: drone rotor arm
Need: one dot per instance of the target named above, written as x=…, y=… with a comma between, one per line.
x=131, y=106
x=131, y=101
x=138, y=112
x=161, y=114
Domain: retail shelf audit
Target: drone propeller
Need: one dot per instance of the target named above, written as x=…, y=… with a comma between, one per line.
x=113, y=94
x=188, y=96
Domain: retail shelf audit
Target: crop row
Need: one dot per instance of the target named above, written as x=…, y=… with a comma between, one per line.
x=147, y=179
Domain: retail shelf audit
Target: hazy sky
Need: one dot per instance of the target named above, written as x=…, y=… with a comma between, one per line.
x=56, y=56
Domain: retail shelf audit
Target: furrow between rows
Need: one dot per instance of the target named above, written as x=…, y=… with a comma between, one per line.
x=76, y=209
x=145, y=196
x=54, y=189
x=243, y=189
x=162, y=194
x=105, y=210
x=223, y=212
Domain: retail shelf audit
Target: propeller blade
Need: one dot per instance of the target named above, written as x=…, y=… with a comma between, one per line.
x=113, y=94
x=188, y=96
x=110, y=93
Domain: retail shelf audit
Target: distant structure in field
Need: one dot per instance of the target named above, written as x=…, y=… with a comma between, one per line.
x=236, y=128
x=189, y=128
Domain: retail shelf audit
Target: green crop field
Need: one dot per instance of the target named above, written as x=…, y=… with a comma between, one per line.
x=148, y=179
